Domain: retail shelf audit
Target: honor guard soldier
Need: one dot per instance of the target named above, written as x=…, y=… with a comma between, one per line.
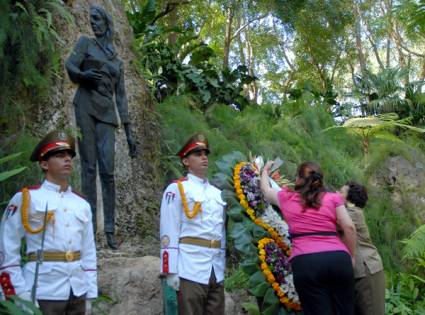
x=60, y=275
x=192, y=232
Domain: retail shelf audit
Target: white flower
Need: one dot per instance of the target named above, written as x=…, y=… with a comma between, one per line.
x=284, y=287
x=273, y=219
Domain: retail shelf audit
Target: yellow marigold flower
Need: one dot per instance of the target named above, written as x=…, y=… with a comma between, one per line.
x=263, y=258
x=271, y=278
x=280, y=293
x=244, y=203
x=257, y=221
x=275, y=286
x=262, y=252
x=285, y=300
x=250, y=211
x=270, y=230
x=264, y=266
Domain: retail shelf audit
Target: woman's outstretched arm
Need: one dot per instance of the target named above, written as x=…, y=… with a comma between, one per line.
x=269, y=193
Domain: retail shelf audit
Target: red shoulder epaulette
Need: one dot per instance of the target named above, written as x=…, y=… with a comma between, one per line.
x=34, y=187
x=6, y=285
x=78, y=194
x=180, y=180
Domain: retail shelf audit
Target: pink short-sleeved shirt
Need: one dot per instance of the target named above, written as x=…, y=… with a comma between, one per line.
x=311, y=220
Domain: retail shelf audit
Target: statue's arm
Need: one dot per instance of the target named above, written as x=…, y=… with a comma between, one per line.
x=122, y=105
x=76, y=58
x=121, y=97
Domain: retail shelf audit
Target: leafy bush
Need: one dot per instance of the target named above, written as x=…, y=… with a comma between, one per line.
x=28, y=55
x=185, y=67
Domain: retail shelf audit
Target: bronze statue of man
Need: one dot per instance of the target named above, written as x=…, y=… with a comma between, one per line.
x=95, y=66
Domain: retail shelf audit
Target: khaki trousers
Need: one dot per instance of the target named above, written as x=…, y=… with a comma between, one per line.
x=74, y=306
x=201, y=299
x=370, y=294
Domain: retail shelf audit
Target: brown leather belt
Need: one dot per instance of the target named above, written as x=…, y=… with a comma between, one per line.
x=200, y=242
x=56, y=256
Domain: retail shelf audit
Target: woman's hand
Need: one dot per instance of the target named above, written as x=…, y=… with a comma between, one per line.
x=267, y=167
x=269, y=193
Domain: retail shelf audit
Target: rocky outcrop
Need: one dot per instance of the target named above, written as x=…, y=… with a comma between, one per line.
x=137, y=179
x=405, y=180
x=131, y=286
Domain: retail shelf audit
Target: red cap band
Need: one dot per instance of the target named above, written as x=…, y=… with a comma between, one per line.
x=53, y=145
x=190, y=147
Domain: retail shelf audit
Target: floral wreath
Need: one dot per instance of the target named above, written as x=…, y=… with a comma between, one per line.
x=259, y=234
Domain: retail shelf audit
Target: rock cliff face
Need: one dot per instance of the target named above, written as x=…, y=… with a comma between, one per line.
x=136, y=179
x=405, y=179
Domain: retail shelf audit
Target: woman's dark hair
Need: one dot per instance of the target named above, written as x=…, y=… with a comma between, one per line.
x=310, y=184
x=357, y=194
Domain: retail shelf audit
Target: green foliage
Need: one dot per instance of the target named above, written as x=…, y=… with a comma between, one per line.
x=380, y=126
x=236, y=279
x=14, y=163
x=9, y=173
x=414, y=246
x=386, y=92
x=185, y=67
x=405, y=295
x=15, y=306
x=28, y=56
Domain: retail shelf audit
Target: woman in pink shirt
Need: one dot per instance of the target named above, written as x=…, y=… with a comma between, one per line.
x=321, y=262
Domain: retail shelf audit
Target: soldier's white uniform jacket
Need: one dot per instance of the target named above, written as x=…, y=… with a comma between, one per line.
x=70, y=230
x=192, y=262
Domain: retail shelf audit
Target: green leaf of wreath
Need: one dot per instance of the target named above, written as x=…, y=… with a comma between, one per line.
x=222, y=181
x=238, y=230
x=236, y=213
x=251, y=308
x=270, y=299
x=246, y=248
x=229, y=197
x=229, y=160
x=260, y=289
x=272, y=309
x=256, y=279
x=258, y=232
x=249, y=267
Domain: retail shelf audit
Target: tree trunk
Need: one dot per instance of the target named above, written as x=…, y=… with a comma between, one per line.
x=388, y=8
x=240, y=45
x=172, y=22
x=358, y=32
x=253, y=92
x=228, y=36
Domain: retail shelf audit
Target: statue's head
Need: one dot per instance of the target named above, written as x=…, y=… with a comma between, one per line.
x=101, y=22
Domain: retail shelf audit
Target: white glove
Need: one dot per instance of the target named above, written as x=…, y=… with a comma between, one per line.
x=173, y=281
x=27, y=297
x=89, y=306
